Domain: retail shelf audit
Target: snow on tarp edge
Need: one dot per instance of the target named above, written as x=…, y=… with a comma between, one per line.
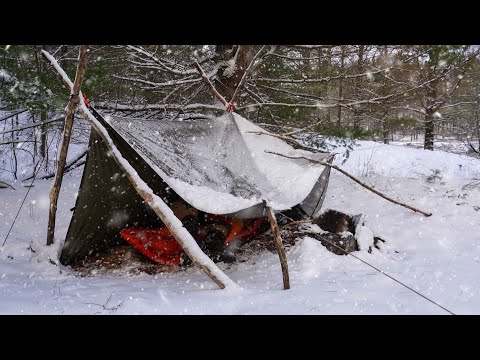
x=200, y=197
x=294, y=179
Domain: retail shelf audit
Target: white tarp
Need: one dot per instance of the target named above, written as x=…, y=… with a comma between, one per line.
x=217, y=165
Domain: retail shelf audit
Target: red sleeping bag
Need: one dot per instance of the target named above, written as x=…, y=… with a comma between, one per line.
x=161, y=247
x=157, y=244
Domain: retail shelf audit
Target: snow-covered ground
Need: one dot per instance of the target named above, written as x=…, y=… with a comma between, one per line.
x=438, y=256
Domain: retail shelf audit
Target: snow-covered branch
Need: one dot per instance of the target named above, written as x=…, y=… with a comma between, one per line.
x=207, y=81
x=31, y=126
x=152, y=107
x=354, y=179
x=154, y=85
x=161, y=63
x=320, y=80
x=14, y=114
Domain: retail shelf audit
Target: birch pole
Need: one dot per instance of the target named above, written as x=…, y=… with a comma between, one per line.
x=67, y=131
x=156, y=203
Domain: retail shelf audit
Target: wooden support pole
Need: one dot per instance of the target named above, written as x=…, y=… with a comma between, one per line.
x=280, y=249
x=67, y=131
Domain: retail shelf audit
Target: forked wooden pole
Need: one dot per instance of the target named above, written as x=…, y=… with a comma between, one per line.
x=67, y=131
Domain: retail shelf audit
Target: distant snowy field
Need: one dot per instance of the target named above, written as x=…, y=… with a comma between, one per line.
x=438, y=256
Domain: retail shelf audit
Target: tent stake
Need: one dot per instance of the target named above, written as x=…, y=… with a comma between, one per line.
x=67, y=131
x=280, y=249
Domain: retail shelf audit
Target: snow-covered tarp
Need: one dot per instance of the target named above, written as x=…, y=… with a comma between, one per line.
x=220, y=165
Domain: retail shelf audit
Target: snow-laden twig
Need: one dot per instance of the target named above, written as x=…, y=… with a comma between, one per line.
x=289, y=140
x=72, y=164
x=154, y=85
x=288, y=105
x=16, y=142
x=319, y=80
x=152, y=107
x=350, y=104
x=31, y=126
x=158, y=61
x=207, y=81
x=106, y=307
x=297, y=131
x=12, y=115
x=354, y=179
x=156, y=203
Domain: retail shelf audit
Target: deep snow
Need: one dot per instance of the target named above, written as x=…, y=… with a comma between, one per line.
x=438, y=256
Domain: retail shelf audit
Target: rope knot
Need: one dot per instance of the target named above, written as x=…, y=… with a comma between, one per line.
x=85, y=99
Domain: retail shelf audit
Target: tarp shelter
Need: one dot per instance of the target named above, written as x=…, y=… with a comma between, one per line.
x=218, y=165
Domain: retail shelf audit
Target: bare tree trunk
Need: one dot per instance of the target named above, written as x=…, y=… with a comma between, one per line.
x=234, y=61
x=429, y=130
x=477, y=118
x=356, y=119
x=43, y=136
x=358, y=84
x=35, y=145
x=340, y=87
x=67, y=130
x=14, y=153
x=386, y=131
x=328, y=87
x=43, y=143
